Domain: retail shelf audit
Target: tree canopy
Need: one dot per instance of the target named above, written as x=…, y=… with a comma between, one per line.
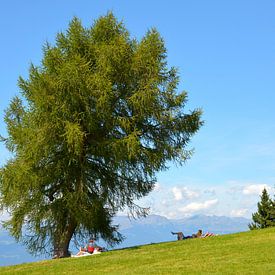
x=265, y=216
x=94, y=123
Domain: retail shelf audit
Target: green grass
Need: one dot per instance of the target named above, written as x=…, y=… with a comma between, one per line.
x=250, y=252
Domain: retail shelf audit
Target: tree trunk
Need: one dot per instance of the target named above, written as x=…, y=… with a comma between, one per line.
x=62, y=242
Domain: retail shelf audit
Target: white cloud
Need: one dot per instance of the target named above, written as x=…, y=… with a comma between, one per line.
x=4, y=216
x=239, y=212
x=190, y=194
x=196, y=206
x=177, y=193
x=184, y=192
x=255, y=189
x=157, y=187
x=210, y=191
x=179, y=201
x=171, y=215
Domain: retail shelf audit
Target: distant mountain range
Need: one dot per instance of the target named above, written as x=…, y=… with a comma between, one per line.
x=152, y=229
x=12, y=253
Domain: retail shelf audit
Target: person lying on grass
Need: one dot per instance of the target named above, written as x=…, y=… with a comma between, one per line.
x=180, y=235
x=199, y=234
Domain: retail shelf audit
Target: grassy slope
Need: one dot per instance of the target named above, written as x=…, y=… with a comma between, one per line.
x=250, y=252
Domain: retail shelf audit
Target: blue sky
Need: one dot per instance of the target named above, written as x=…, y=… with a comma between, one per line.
x=225, y=52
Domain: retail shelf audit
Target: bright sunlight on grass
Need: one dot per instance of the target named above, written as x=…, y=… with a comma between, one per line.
x=242, y=253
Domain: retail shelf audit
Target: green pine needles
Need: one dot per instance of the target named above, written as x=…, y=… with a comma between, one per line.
x=94, y=123
x=265, y=216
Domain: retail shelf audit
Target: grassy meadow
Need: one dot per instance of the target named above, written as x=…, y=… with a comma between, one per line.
x=251, y=252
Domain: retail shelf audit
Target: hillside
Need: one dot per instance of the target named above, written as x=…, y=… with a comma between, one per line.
x=240, y=253
x=152, y=229
x=155, y=228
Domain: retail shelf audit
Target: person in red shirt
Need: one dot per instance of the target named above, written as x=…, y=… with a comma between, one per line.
x=92, y=247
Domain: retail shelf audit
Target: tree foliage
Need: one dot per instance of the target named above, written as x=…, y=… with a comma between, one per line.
x=265, y=216
x=94, y=123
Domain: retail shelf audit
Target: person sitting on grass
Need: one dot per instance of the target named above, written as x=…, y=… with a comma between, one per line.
x=82, y=251
x=93, y=247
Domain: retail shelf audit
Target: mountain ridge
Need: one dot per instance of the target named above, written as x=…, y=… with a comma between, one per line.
x=152, y=229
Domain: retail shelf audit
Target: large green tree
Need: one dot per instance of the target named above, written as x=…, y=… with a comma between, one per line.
x=265, y=216
x=94, y=123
